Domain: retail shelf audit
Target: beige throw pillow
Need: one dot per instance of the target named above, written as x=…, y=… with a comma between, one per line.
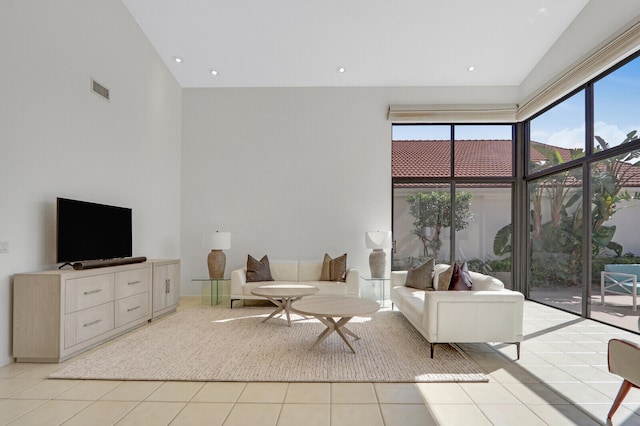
x=258, y=270
x=420, y=277
x=444, y=279
x=334, y=269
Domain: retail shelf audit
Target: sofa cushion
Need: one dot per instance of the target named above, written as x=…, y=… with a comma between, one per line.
x=460, y=280
x=284, y=270
x=420, y=277
x=483, y=282
x=412, y=303
x=624, y=268
x=258, y=270
x=309, y=271
x=444, y=279
x=334, y=269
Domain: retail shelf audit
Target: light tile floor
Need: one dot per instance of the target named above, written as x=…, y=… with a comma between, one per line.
x=561, y=379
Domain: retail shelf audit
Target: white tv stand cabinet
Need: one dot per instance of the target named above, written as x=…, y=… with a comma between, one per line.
x=60, y=313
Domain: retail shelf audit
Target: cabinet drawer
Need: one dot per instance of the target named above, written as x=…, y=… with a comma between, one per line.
x=88, y=323
x=132, y=282
x=90, y=291
x=131, y=308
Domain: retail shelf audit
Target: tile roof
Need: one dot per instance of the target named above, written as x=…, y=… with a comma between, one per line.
x=431, y=158
x=474, y=158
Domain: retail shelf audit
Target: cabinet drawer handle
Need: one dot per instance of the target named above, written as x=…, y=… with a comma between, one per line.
x=133, y=309
x=97, y=290
x=93, y=322
x=167, y=286
x=134, y=282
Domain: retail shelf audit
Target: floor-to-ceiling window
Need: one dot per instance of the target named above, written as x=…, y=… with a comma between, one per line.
x=615, y=194
x=578, y=188
x=555, y=239
x=453, y=187
x=583, y=181
x=557, y=140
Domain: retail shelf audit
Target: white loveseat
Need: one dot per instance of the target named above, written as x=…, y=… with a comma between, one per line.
x=487, y=313
x=294, y=272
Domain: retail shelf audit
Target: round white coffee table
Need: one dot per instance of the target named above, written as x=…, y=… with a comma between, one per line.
x=282, y=295
x=326, y=308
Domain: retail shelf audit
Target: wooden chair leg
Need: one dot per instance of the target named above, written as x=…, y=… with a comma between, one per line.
x=624, y=390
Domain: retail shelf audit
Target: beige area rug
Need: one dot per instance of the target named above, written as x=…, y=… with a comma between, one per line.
x=202, y=343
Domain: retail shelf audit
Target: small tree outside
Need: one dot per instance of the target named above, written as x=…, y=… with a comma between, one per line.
x=432, y=213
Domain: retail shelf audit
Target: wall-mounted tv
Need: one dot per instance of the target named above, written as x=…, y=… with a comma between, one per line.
x=91, y=231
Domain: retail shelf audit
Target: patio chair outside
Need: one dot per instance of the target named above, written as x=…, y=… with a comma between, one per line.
x=620, y=279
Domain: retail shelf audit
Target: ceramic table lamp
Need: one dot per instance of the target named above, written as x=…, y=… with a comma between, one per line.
x=377, y=240
x=217, y=260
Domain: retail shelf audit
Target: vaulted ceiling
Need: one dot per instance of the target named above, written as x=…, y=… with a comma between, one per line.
x=293, y=43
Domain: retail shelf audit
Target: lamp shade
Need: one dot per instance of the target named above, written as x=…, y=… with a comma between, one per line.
x=377, y=239
x=217, y=240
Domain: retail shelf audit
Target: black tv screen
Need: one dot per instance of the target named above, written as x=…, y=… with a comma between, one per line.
x=91, y=231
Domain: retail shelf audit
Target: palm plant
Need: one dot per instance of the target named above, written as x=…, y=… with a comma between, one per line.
x=562, y=233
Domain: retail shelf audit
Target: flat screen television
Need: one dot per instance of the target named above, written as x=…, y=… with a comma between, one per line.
x=91, y=231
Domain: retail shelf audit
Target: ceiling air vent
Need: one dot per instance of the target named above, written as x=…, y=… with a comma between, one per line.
x=99, y=89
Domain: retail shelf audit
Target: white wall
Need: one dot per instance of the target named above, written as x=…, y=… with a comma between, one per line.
x=594, y=26
x=625, y=220
x=293, y=172
x=59, y=139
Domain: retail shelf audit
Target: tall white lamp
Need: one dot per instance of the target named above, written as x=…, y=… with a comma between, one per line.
x=377, y=240
x=217, y=260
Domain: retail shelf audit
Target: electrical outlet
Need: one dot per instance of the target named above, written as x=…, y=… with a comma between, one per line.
x=4, y=246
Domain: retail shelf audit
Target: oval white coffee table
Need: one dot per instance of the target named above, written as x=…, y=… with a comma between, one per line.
x=282, y=295
x=326, y=308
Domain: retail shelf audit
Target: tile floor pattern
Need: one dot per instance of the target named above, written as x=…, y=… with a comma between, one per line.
x=561, y=379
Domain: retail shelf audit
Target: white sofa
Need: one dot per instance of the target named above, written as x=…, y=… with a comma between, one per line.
x=487, y=313
x=300, y=272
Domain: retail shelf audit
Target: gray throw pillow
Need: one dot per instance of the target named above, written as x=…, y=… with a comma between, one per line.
x=258, y=270
x=420, y=277
x=414, y=262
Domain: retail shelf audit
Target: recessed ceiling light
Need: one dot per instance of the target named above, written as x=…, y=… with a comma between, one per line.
x=471, y=68
x=213, y=72
x=341, y=69
x=178, y=59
